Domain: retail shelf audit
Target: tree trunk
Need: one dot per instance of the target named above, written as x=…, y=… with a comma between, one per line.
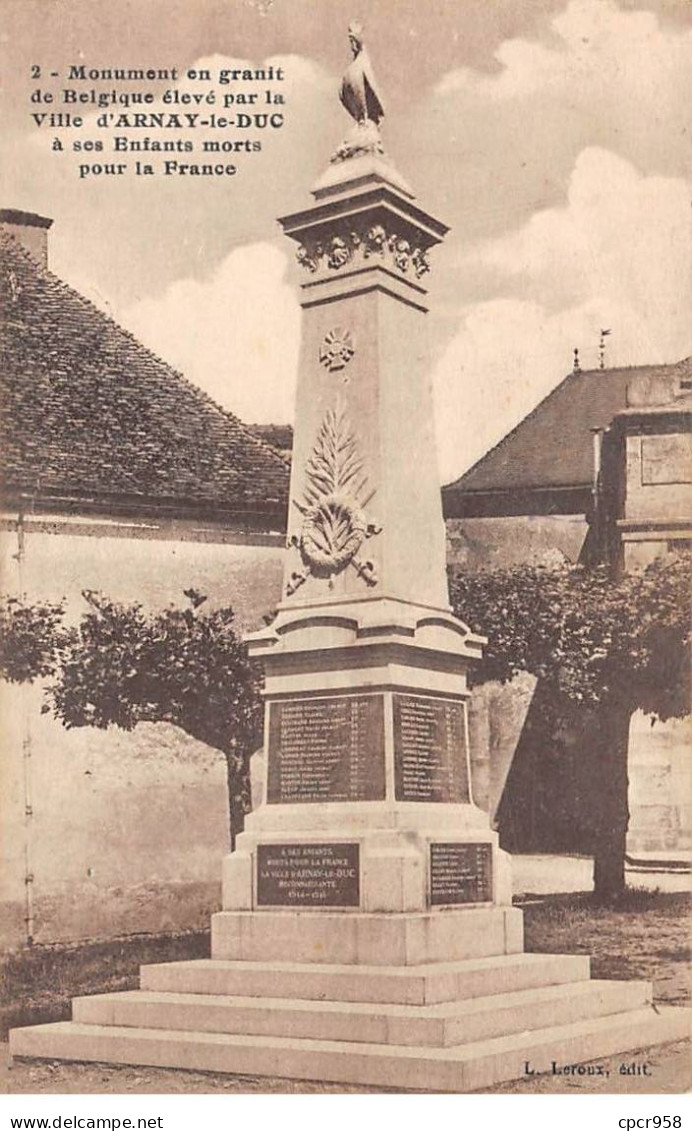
x=611, y=809
x=237, y=773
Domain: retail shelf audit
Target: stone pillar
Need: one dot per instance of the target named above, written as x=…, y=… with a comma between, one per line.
x=367, y=805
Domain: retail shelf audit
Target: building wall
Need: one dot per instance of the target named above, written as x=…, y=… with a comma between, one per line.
x=659, y=476
x=496, y=543
x=124, y=831
x=660, y=794
x=658, y=513
x=52, y=559
x=658, y=501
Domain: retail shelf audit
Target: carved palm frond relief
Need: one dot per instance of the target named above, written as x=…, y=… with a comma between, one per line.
x=335, y=464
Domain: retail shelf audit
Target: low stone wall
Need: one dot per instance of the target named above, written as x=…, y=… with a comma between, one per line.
x=126, y=831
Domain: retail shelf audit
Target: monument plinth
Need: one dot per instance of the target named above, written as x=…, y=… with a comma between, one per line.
x=367, y=934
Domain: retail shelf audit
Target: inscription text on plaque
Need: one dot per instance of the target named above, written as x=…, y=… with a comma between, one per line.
x=326, y=749
x=461, y=873
x=308, y=875
x=430, y=762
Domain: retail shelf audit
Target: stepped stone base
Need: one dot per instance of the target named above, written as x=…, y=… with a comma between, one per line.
x=451, y=1026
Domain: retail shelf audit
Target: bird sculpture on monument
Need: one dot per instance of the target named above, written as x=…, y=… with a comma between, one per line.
x=360, y=96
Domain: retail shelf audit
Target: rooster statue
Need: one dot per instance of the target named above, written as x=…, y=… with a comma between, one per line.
x=360, y=96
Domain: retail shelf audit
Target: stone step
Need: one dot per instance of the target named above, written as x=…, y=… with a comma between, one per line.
x=405, y=985
x=443, y=1025
x=464, y=1068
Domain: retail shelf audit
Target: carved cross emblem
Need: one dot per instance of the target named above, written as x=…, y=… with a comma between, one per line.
x=337, y=349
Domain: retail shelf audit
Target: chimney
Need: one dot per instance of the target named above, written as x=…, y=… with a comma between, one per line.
x=30, y=230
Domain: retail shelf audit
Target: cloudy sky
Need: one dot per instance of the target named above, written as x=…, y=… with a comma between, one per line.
x=554, y=136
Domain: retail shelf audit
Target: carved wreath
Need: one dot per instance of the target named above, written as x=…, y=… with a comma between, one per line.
x=334, y=499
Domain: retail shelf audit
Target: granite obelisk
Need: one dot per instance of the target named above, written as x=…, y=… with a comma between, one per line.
x=368, y=803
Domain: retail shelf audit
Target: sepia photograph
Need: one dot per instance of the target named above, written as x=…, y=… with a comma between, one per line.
x=346, y=550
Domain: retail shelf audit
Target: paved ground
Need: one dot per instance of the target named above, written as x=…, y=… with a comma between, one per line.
x=543, y=875
x=669, y=1070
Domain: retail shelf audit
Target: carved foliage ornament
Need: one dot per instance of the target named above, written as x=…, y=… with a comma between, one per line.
x=352, y=247
x=335, y=496
x=337, y=349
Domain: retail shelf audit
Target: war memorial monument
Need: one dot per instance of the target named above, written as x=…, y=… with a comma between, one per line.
x=367, y=934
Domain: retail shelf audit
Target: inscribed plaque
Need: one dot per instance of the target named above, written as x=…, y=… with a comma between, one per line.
x=430, y=762
x=326, y=749
x=308, y=875
x=461, y=873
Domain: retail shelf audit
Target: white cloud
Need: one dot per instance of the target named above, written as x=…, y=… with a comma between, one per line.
x=596, y=50
x=618, y=255
x=596, y=75
x=235, y=333
x=620, y=235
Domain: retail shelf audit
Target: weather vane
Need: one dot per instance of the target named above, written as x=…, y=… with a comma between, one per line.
x=602, y=347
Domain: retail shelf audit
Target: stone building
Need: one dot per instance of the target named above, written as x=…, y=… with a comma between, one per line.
x=600, y=470
x=534, y=493
x=122, y=477
x=645, y=480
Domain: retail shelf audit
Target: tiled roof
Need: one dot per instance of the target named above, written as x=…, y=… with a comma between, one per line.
x=280, y=436
x=90, y=413
x=553, y=446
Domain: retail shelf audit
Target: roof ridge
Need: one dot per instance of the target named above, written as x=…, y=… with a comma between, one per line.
x=197, y=391
x=657, y=365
